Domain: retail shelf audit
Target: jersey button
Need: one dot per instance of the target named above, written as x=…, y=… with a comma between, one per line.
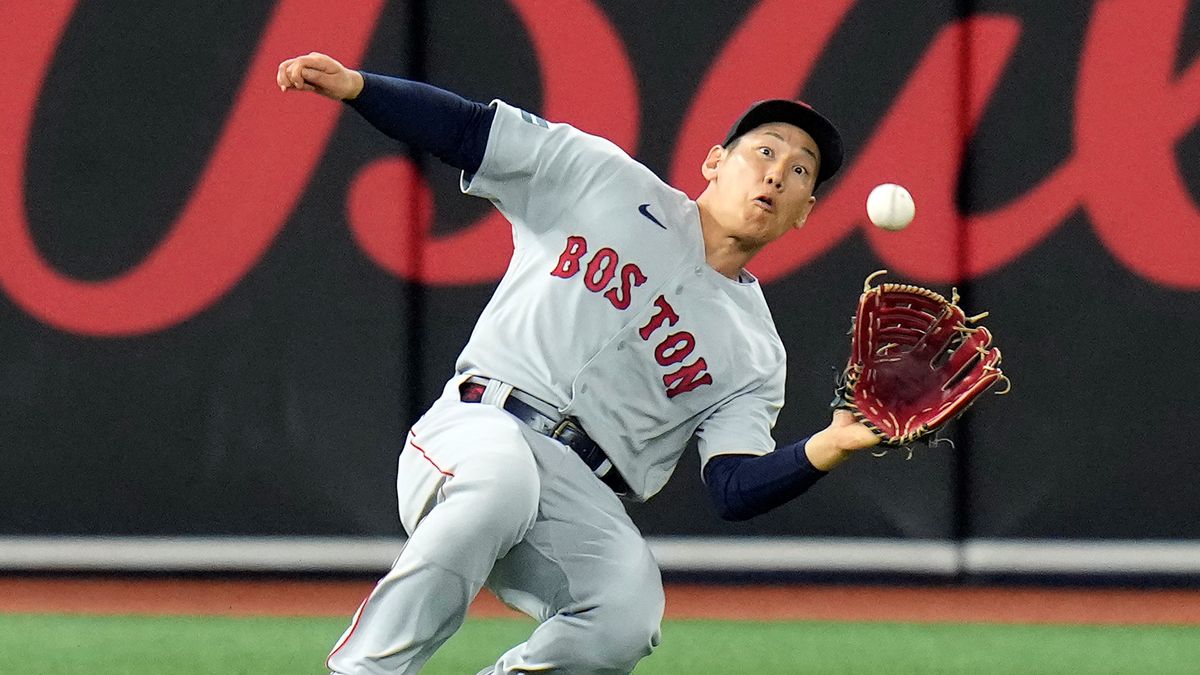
x=699, y=271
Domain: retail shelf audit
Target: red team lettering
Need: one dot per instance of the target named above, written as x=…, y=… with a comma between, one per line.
x=687, y=378
x=666, y=313
x=680, y=345
x=598, y=274
x=631, y=278
x=568, y=262
x=600, y=270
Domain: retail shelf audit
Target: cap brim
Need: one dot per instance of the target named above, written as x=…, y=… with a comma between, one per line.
x=802, y=115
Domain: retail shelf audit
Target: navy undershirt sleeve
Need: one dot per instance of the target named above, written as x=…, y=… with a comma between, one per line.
x=433, y=120
x=744, y=486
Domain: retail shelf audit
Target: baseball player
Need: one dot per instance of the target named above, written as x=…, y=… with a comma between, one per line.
x=625, y=326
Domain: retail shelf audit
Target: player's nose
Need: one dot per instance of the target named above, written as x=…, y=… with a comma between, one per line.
x=774, y=179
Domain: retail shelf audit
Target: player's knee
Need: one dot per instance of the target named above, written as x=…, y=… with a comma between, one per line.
x=635, y=624
x=623, y=630
x=632, y=639
x=622, y=637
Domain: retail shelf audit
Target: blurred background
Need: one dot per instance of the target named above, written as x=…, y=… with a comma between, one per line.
x=221, y=306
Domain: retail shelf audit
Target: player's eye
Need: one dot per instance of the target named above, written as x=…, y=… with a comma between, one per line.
x=766, y=152
x=802, y=170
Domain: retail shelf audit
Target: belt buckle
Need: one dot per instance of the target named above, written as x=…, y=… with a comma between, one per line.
x=567, y=425
x=570, y=434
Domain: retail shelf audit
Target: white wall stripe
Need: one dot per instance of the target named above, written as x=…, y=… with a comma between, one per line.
x=1083, y=557
x=198, y=554
x=675, y=554
x=699, y=554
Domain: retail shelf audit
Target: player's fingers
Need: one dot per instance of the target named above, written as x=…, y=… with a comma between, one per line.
x=842, y=417
x=281, y=75
x=309, y=72
x=319, y=62
x=314, y=76
x=293, y=74
x=322, y=62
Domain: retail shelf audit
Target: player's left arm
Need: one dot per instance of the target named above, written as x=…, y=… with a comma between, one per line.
x=742, y=486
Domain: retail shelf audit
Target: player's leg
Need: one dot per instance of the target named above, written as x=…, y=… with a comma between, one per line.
x=585, y=571
x=468, y=489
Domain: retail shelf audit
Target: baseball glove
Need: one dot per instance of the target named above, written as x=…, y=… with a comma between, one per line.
x=916, y=361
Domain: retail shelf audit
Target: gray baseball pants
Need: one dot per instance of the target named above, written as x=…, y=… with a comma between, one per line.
x=487, y=501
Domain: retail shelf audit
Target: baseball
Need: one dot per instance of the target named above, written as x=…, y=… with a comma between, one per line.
x=890, y=206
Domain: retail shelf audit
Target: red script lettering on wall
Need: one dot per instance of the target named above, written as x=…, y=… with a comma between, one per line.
x=242, y=199
x=1132, y=108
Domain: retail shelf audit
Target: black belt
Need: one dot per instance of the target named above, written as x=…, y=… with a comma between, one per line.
x=565, y=431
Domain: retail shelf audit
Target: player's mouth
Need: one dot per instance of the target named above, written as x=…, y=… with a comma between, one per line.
x=765, y=203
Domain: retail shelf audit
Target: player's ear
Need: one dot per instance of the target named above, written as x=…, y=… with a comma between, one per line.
x=709, y=169
x=805, y=211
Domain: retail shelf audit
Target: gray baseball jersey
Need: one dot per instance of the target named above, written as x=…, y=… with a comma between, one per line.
x=609, y=310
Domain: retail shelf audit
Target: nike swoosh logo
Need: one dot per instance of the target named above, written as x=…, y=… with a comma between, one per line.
x=644, y=209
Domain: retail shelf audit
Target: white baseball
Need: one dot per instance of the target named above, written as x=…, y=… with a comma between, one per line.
x=890, y=206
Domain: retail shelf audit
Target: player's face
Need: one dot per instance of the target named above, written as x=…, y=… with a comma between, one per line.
x=764, y=181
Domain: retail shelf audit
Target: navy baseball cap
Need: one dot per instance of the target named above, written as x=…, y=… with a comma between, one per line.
x=799, y=114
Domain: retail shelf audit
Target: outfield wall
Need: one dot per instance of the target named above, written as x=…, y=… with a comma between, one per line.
x=222, y=306
x=1163, y=561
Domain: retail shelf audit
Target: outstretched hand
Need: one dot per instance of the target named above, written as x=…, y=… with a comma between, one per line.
x=850, y=434
x=835, y=443
x=319, y=73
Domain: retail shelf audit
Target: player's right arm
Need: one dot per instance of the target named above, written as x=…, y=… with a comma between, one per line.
x=429, y=119
x=530, y=168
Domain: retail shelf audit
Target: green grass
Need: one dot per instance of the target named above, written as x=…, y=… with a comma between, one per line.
x=58, y=645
